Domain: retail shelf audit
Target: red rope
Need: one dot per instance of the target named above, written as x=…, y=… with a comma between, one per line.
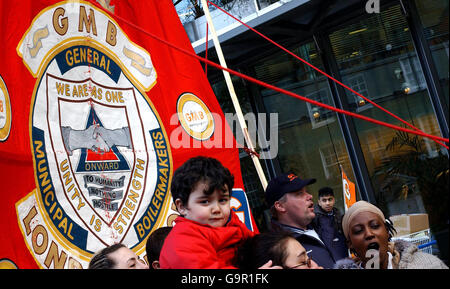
x=269, y=86
x=249, y=151
x=318, y=70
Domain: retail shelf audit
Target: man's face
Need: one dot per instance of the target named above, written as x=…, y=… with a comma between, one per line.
x=213, y=209
x=327, y=203
x=297, y=208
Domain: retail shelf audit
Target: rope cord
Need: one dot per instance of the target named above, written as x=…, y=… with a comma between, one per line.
x=269, y=86
x=319, y=70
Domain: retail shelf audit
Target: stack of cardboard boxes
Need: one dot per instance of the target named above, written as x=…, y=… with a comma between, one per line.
x=406, y=224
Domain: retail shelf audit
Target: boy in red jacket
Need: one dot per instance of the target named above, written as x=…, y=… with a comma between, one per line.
x=207, y=233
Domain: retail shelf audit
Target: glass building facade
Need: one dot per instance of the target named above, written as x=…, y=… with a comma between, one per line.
x=397, y=58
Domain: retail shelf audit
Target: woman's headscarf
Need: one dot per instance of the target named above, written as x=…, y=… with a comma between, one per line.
x=355, y=209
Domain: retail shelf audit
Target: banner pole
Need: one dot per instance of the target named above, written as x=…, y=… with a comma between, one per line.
x=234, y=98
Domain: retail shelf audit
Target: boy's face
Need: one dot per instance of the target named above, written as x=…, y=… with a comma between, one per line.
x=213, y=209
x=327, y=203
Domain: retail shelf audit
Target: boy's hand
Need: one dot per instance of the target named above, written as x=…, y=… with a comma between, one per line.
x=268, y=265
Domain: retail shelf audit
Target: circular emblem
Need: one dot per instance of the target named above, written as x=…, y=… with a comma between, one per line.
x=102, y=159
x=5, y=111
x=195, y=117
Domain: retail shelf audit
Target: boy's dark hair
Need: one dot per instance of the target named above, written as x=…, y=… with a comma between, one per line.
x=326, y=191
x=200, y=169
x=101, y=260
x=261, y=248
x=154, y=244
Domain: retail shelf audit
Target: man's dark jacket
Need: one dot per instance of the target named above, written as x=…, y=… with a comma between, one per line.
x=319, y=252
x=329, y=228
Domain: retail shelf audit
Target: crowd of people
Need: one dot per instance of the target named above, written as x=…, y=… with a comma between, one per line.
x=209, y=235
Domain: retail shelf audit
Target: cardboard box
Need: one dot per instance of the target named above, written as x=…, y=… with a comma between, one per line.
x=409, y=223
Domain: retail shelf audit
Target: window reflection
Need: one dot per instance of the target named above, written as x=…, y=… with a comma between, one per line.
x=434, y=17
x=376, y=58
x=310, y=140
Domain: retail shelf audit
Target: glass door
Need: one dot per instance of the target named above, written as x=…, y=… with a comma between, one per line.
x=376, y=57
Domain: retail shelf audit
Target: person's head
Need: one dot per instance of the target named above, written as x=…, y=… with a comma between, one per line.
x=154, y=245
x=365, y=228
x=289, y=200
x=326, y=199
x=116, y=256
x=282, y=248
x=201, y=190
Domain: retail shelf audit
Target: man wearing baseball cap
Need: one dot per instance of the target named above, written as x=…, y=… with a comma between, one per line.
x=292, y=209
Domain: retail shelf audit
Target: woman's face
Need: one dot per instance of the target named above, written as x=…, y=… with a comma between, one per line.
x=367, y=231
x=125, y=258
x=296, y=256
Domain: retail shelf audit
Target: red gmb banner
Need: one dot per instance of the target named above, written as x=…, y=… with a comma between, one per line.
x=95, y=118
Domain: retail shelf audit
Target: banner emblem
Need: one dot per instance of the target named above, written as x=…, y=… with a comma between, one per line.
x=195, y=117
x=102, y=158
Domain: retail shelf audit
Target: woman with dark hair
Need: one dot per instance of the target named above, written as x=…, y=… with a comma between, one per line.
x=282, y=248
x=116, y=256
x=368, y=236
